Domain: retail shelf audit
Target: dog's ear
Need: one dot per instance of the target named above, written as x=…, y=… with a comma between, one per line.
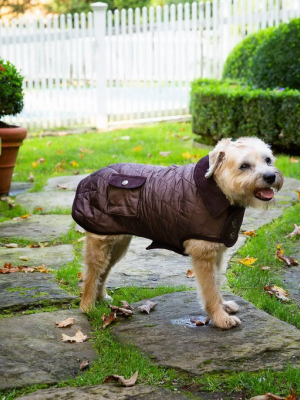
x=215, y=159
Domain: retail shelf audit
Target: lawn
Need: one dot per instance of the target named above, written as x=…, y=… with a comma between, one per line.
x=163, y=144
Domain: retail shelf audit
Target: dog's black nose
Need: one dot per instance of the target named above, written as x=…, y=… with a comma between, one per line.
x=269, y=177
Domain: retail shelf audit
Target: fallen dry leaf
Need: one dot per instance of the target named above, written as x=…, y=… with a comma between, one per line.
x=26, y=269
x=84, y=365
x=42, y=268
x=292, y=396
x=31, y=177
x=78, y=338
x=79, y=275
x=121, y=311
x=187, y=155
x=126, y=305
x=34, y=245
x=108, y=319
x=65, y=323
x=41, y=160
x=120, y=379
x=64, y=186
x=164, y=153
x=190, y=273
x=81, y=239
x=11, y=245
x=199, y=323
x=251, y=233
x=289, y=261
x=294, y=160
x=34, y=164
x=185, y=138
x=137, y=148
x=147, y=307
x=270, y=396
x=49, y=143
x=207, y=321
x=74, y=164
x=38, y=208
x=248, y=260
x=278, y=292
x=296, y=231
x=23, y=258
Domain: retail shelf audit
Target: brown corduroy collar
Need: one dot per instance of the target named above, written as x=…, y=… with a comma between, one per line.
x=212, y=196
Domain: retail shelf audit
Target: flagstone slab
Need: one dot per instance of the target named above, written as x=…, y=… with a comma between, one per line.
x=105, y=392
x=52, y=257
x=169, y=338
x=19, y=187
x=48, y=201
x=32, y=352
x=40, y=228
x=70, y=182
x=20, y=290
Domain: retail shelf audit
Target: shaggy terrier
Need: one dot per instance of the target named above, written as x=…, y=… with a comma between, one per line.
x=196, y=210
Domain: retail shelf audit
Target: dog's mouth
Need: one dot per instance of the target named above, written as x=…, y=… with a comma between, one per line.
x=264, y=194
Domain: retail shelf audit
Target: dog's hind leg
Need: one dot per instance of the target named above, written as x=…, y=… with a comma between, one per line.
x=99, y=258
x=117, y=252
x=204, y=256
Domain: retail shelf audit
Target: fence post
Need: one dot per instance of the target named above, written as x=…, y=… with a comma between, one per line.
x=99, y=10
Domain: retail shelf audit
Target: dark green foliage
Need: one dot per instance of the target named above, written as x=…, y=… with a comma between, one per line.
x=277, y=61
x=11, y=94
x=239, y=62
x=78, y=6
x=225, y=109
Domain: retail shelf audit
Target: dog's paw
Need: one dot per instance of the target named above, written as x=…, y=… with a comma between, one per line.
x=107, y=299
x=224, y=321
x=85, y=306
x=230, y=306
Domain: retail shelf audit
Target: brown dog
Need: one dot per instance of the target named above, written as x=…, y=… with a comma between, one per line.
x=196, y=210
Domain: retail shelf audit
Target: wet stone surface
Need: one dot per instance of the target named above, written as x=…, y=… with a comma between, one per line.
x=40, y=228
x=32, y=352
x=262, y=341
x=51, y=257
x=106, y=392
x=21, y=290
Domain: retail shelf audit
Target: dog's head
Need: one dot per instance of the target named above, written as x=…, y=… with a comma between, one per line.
x=245, y=172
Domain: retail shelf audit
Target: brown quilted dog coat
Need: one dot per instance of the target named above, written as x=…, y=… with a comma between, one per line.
x=166, y=204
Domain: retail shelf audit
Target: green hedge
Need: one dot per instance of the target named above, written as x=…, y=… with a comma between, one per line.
x=224, y=109
x=276, y=62
x=238, y=64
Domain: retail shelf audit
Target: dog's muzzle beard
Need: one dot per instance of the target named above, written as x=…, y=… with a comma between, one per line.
x=269, y=182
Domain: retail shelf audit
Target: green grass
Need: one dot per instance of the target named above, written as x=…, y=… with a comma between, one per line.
x=248, y=282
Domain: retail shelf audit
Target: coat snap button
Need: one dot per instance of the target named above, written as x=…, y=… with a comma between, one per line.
x=125, y=182
x=232, y=235
x=234, y=222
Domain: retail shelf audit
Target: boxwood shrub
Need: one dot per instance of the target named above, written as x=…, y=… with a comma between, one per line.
x=238, y=64
x=226, y=109
x=11, y=93
x=276, y=63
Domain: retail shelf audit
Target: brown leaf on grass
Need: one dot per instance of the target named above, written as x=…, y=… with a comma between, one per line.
x=120, y=379
x=38, y=208
x=26, y=269
x=271, y=396
x=126, y=305
x=23, y=258
x=11, y=245
x=2, y=69
x=42, y=268
x=41, y=160
x=108, y=319
x=34, y=245
x=294, y=160
x=250, y=233
x=296, y=231
x=78, y=338
x=137, y=148
x=84, y=365
x=199, y=323
x=190, y=273
x=79, y=275
x=65, y=323
x=290, y=261
x=22, y=217
x=121, y=311
x=147, y=307
x=292, y=396
x=164, y=153
x=278, y=292
x=31, y=177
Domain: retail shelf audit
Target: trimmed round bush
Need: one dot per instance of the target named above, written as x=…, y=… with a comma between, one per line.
x=276, y=62
x=239, y=62
x=11, y=93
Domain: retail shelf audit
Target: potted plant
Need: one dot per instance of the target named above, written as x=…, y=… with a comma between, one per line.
x=11, y=137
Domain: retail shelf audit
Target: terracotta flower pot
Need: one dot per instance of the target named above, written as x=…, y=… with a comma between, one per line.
x=11, y=139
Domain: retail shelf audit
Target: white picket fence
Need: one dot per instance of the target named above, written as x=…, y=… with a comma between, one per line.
x=105, y=68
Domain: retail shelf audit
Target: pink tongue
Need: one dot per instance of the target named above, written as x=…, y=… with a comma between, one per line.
x=267, y=193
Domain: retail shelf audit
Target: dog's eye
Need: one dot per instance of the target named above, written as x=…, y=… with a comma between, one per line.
x=268, y=161
x=245, y=166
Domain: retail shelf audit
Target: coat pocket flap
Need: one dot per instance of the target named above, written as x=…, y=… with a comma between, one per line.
x=126, y=181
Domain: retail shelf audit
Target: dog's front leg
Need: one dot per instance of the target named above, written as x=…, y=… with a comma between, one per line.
x=204, y=256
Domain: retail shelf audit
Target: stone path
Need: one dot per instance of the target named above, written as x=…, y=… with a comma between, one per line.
x=31, y=350
x=262, y=341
